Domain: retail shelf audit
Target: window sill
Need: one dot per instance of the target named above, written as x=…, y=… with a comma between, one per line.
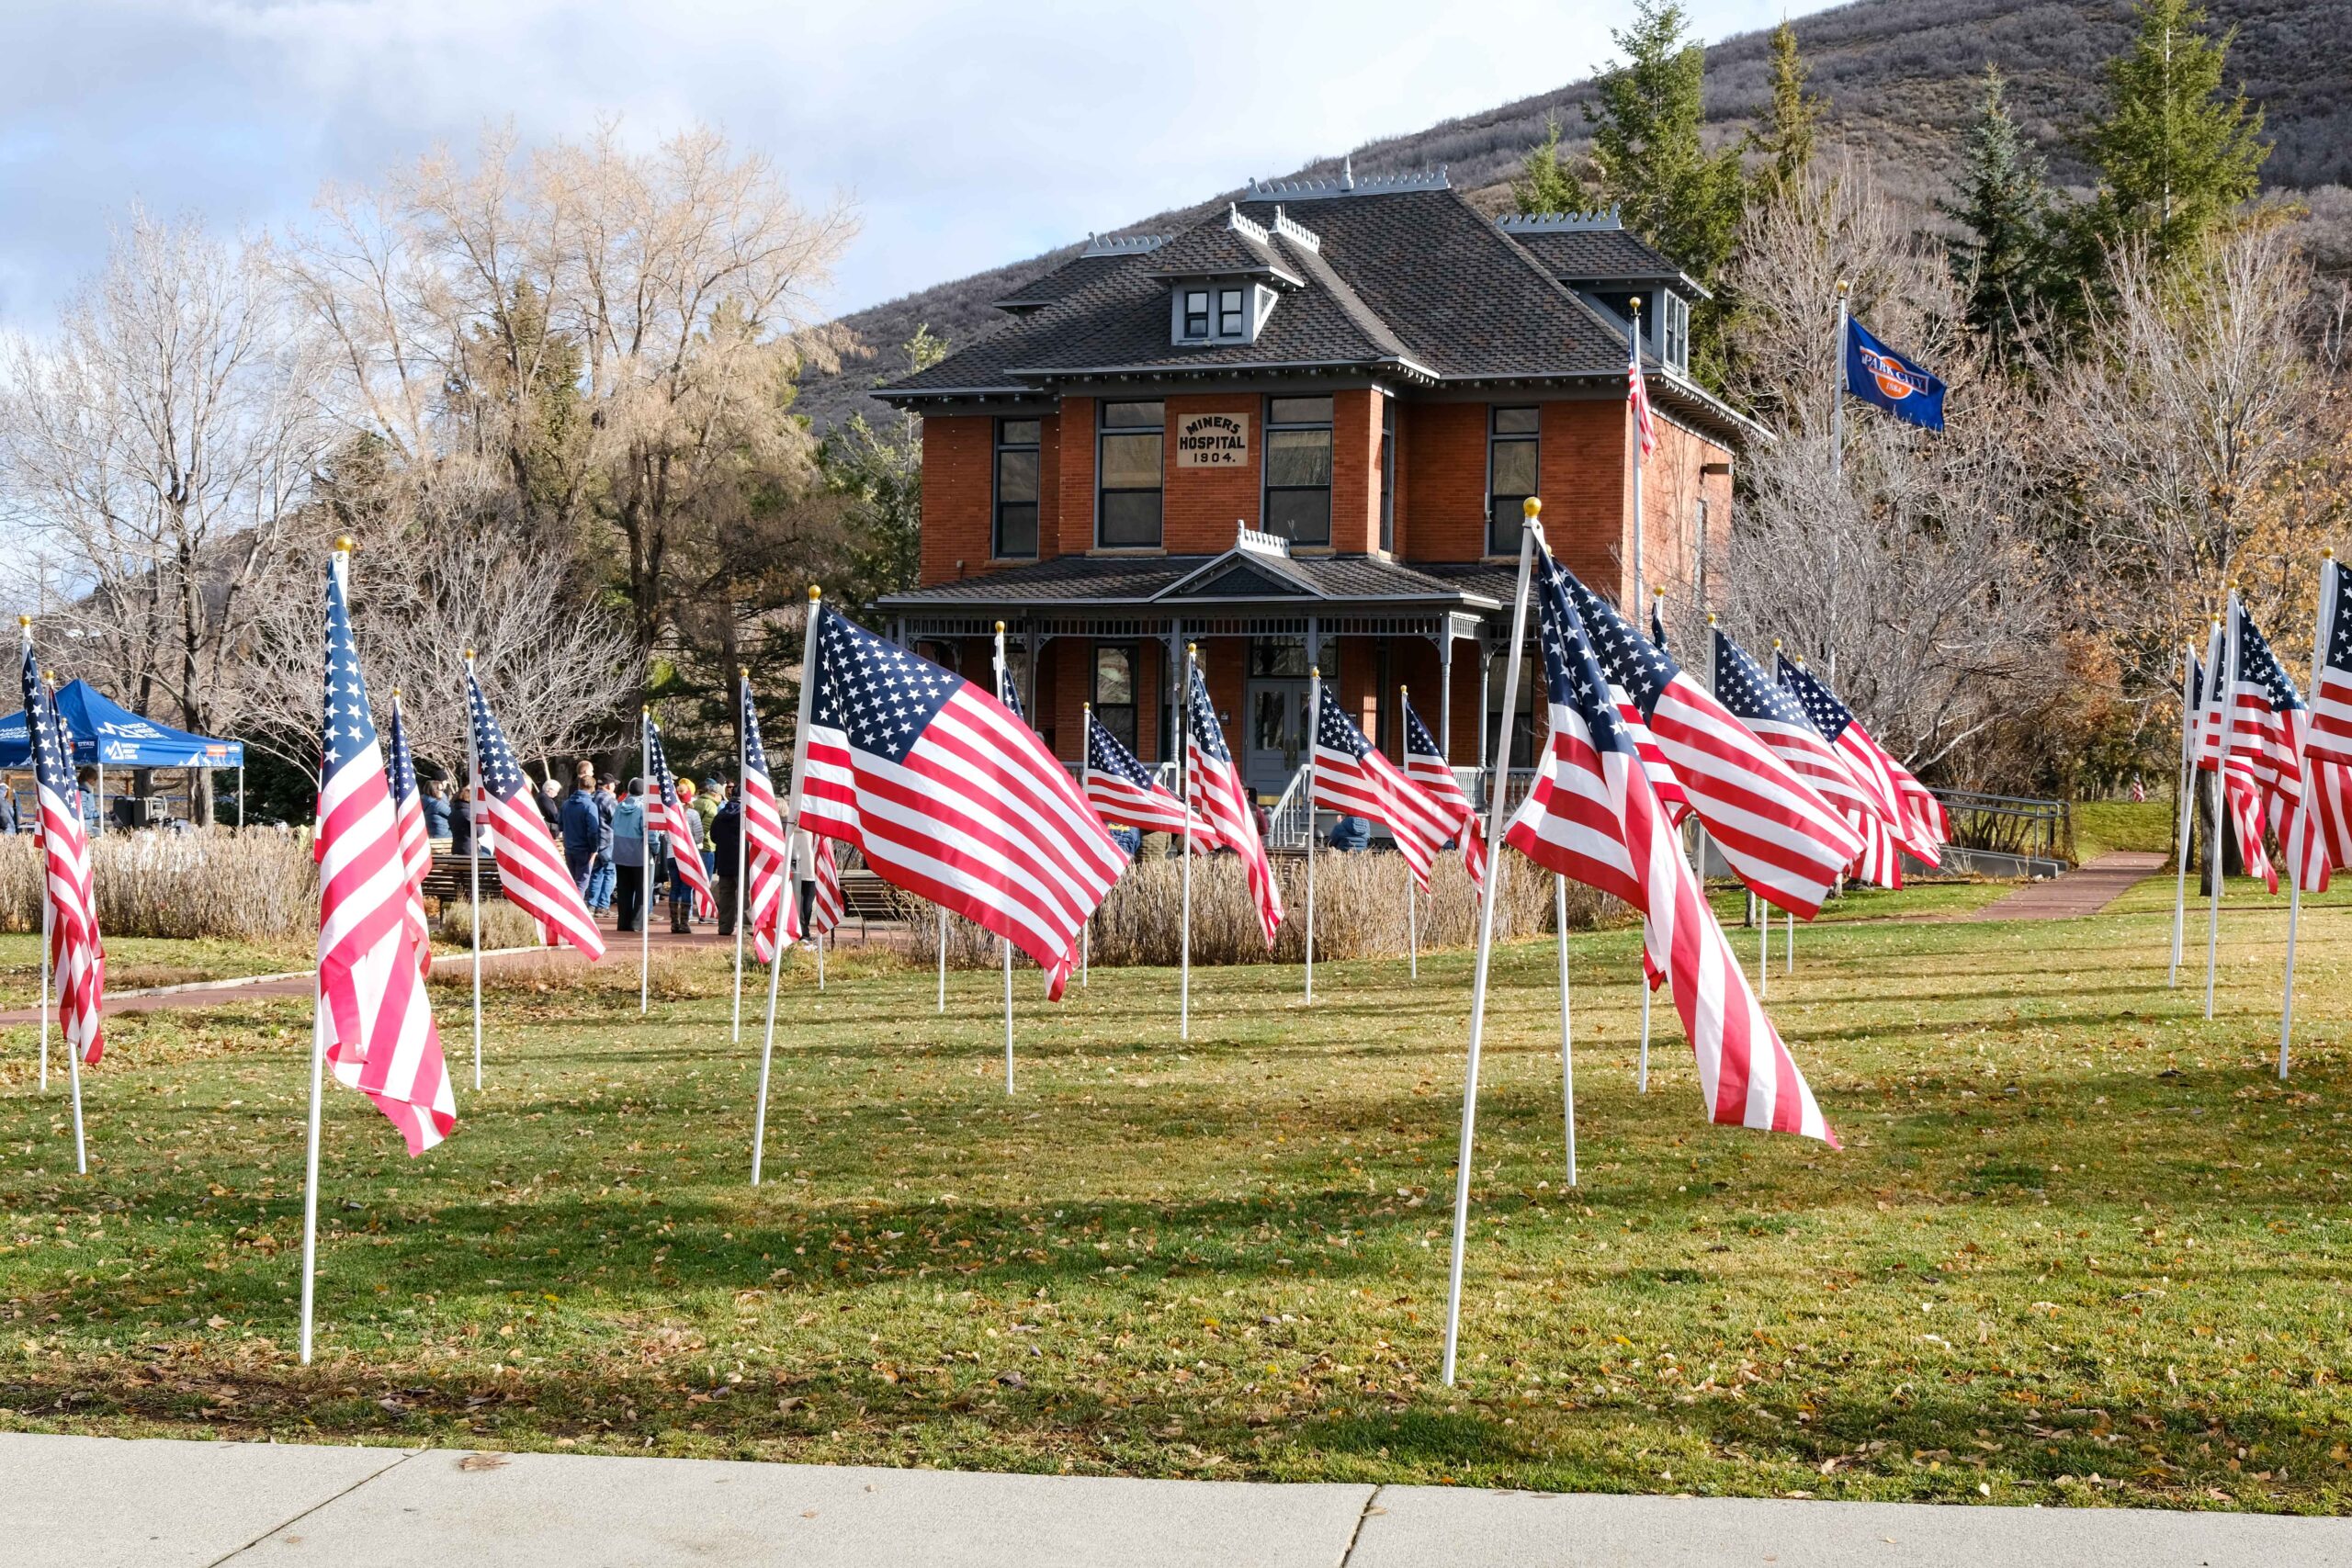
x=1013, y=560
x=1129, y=551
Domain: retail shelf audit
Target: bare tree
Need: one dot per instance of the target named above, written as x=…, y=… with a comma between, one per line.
x=2182, y=433
x=159, y=444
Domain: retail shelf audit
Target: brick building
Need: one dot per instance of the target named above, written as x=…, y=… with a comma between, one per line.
x=1308, y=423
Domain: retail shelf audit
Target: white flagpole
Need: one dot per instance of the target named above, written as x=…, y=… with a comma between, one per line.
x=1004, y=679
x=818, y=941
x=1788, y=944
x=943, y=958
x=2310, y=826
x=74, y=1076
x=1495, y=871
x=2217, y=663
x=1837, y=392
x=1184, y=794
x=2184, y=789
x=1085, y=772
x=1314, y=717
x=1567, y=1028
x=742, y=844
x=1412, y=894
x=775, y=971
x=649, y=790
x=1763, y=948
x=473, y=865
x=1642, y=1078
x=319, y=1065
x=45, y=919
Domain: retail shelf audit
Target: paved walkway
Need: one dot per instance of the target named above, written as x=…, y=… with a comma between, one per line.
x=2086, y=890
x=100, y=1503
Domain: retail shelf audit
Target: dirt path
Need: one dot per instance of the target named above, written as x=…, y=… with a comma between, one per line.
x=2086, y=890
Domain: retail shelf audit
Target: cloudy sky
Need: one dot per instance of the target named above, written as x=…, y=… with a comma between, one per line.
x=968, y=134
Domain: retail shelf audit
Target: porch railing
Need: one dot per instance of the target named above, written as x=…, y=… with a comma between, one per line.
x=1294, y=817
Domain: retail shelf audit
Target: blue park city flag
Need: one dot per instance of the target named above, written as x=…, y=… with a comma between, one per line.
x=1876, y=374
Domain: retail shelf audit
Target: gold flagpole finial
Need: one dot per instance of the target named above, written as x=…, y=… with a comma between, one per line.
x=342, y=543
x=1710, y=617
x=1531, y=507
x=24, y=620
x=396, y=693
x=815, y=594
x=1191, y=649
x=999, y=628
x=1776, y=645
x=745, y=670
x=1843, y=287
x=1400, y=691
x=1314, y=672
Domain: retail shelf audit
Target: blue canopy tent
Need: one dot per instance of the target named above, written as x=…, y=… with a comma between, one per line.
x=104, y=732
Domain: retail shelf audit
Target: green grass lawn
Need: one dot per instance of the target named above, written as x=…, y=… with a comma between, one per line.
x=2081, y=1246
x=135, y=963
x=2104, y=825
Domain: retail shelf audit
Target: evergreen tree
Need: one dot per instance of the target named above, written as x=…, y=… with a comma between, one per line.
x=1787, y=137
x=2175, y=157
x=1545, y=183
x=2003, y=257
x=1646, y=146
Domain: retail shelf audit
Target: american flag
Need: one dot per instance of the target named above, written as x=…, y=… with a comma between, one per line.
x=374, y=1019
x=1354, y=777
x=1122, y=790
x=762, y=846
x=948, y=795
x=1637, y=389
x=1426, y=765
x=1593, y=817
x=530, y=863
x=2205, y=692
x=416, y=849
x=1214, y=789
x=2264, y=712
x=678, y=823
x=2330, y=735
x=2139, y=791
x=1892, y=790
x=1774, y=830
x=76, y=953
x=1776, y=718
x=825, y=903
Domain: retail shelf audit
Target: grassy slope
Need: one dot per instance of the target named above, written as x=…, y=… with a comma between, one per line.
x=2104, y=825
x=135, y=963
x=2076, y=1231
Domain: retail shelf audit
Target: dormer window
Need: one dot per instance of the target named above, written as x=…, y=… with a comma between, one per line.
x=1674, y=339
x=1221, y=313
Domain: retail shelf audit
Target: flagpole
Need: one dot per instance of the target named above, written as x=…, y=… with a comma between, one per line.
x=767, y=1042
x=1005, y=944
x=1184, y=790
x=2310, y=824
x=2184, y=786
x=473, y=865
x=318, y=1055
x=1837, y=392
x=791, y=849
x=1313, y=718
x=2218, y=659
x=1529, y=509
x=1085, y=777
x=1412, y=893
x=1567, y=1031
x=648, y=792
x=742, y=857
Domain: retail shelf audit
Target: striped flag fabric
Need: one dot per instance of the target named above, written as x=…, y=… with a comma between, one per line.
x=2265, y=711
x=2206, y=689
x=76, y=953
x=1354, y=777
x=816, y=906
x=1637, y=391
x=762, y=846
x=1894, y=792
x=1122, y=790
x=948, y=795
x=1772, y=828
x=1426, y=765
x=1214, y=789
x=530, y=863
x=416, y=849
x=677, y=821
x=374, y=1017
x=2329, y=736
x=1775, y=717
x=1592, y=815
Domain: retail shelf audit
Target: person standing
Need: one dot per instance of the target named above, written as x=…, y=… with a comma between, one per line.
x=600, y=879
x=707, y=806
x=629, y=854
x=582, y=828
x=727, y=861
x=681, y=896
x=8, y=810
x=461, y=828
x=435, y=806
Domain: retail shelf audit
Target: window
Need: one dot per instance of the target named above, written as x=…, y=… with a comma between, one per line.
x=1387, y=474
x=1016, y=489
x=1523, y=720
x=1676, y=342
x=1298, y=469
x=1510, y=474
x=1230, y=322
x=1127, y=469
x=1115, y=690
x=1196, y=312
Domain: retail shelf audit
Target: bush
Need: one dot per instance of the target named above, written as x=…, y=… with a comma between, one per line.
x=502, y=925
x=1360, y=912
x=258, y=886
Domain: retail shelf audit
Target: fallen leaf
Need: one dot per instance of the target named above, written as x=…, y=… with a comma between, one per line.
x=483, y=1461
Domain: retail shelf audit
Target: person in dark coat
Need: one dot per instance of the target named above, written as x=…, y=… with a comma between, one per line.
x=727, y=861
x=461, y=828
x=582, y=828
x=434, y=804
x=1350, y=833
x=9, y=824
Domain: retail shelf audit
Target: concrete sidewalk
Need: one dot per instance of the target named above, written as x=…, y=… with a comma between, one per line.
x=2086, y=890
x=99, y=1503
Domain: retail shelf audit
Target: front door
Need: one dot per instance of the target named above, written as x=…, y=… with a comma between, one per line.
x=1277, y=733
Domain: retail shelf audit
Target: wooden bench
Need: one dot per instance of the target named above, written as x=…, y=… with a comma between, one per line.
x=449, y=880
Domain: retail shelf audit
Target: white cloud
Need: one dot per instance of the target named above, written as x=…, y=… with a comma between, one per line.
x=971, y=135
